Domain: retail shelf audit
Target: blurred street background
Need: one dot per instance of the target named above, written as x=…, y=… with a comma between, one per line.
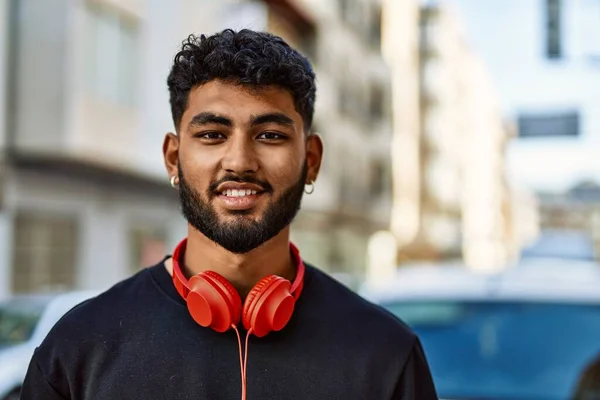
x=462, y=129
x=460, y=135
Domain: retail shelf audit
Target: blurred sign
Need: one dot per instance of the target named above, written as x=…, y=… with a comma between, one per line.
x=555, y=124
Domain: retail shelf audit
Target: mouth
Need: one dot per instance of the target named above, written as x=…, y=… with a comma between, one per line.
x=238, y=192
x=239, y=199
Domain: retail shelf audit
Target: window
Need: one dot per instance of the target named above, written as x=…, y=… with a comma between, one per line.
x=553, y=29
x=376, y=28
x=45, y=252
x=379, y=178
x=353, y=98
x=18, y=319
x=344, y=98
x=556, y=124
x=345, y=7
x=526, y=335
x=111, y=54
x=377, y=103
x=351, y=14
x=429, y=30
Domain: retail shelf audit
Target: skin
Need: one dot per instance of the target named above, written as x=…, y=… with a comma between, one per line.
x=240, y=142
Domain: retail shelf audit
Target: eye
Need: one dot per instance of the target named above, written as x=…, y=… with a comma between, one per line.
x=271, y=136
x=212, y=135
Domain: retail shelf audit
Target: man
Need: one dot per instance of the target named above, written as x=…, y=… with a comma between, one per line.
x=241, y=157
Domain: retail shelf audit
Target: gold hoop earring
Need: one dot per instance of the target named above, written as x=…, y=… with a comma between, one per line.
x=311, y=188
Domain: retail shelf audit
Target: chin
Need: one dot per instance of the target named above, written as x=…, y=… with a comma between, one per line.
x=251, y=214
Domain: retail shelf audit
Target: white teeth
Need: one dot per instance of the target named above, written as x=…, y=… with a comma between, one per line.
x=238, y=193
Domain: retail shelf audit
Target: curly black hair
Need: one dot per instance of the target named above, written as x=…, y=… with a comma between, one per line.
x=246, y=57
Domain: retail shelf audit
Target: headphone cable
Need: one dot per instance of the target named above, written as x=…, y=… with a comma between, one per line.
x=244, y=359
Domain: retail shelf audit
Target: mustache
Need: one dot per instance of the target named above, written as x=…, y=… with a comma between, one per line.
x=266, y=186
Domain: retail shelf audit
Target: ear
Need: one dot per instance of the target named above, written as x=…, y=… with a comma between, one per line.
x=314, y=155
x=171, y=154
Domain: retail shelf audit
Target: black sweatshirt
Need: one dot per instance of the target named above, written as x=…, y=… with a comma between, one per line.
x=138, y=341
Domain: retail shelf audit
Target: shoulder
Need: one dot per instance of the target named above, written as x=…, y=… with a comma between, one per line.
x=341, y=304
x=91, y=331
x=107, y=303
x=338, y=319
x=94, y=320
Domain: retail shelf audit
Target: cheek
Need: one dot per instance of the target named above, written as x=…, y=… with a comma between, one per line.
x=196, y=180
x=198, y=166
x=201, y=160
x=285, y=164
x=282, y=171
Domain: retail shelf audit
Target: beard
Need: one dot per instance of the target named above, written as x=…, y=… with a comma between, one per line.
x=240, y=234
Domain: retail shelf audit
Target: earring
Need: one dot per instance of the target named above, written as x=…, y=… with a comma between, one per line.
x=311, y=188
x=174, y=181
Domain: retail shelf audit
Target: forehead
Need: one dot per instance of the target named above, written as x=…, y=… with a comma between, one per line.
x=239, y=102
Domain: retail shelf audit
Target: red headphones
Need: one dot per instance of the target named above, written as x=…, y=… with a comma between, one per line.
x=213, y=301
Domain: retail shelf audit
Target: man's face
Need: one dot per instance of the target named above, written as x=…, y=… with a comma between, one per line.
x=242, y=159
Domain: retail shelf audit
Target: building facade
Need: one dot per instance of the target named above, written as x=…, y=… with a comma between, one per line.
x=452, y=198
x=84, y=198
x=547, y=69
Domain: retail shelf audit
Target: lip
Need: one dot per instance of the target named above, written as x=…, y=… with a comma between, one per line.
x=238, y=203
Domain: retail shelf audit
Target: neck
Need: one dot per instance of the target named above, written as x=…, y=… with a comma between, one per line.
x=242, y=270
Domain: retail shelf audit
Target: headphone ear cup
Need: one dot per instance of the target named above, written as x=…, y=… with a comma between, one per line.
x=252, y=298
x=268, y=306
x=213, y=302
x=231, y=294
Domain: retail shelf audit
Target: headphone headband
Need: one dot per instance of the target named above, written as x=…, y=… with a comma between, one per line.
x=182, y=283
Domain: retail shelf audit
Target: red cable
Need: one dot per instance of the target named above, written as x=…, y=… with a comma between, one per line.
x=246, y=353
x=242, y=362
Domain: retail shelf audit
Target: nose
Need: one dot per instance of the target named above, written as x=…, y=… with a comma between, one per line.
x=240, y=157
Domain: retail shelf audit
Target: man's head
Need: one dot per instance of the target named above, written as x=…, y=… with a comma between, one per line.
x=242, y=104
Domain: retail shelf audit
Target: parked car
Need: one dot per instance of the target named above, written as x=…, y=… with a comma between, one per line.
x=24, y=322
x=528, y=333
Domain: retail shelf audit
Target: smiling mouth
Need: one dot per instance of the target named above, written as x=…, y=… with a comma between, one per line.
x=239, y=199
x=239, y=192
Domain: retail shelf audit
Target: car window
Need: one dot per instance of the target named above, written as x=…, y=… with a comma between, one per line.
x=496, y=350
x=18, y=319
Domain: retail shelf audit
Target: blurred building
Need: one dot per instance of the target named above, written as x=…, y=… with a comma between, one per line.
x=451, y=196
x=547, y=71
x=547, y=67
x=84, y=199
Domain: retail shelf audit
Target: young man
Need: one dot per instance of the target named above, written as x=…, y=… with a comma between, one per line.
x=235, y=313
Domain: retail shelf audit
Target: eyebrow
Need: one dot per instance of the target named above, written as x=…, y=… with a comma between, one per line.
x=205, y=118
x=276, y=118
